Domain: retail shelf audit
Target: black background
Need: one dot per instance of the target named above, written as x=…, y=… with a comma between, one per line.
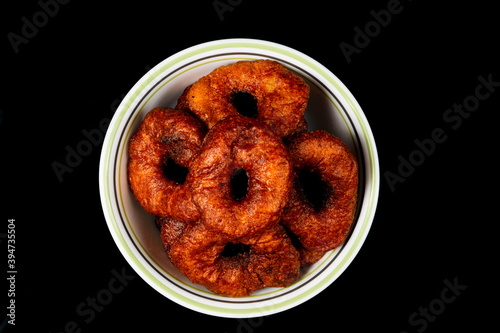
x=437, y=225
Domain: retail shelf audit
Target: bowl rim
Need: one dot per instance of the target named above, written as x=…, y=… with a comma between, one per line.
x=368, y=153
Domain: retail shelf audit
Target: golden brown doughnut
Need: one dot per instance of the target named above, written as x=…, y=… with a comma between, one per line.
x=239, y=144
x=231, y=269
x=321, y=217
x=166, y=139
x=279, y=97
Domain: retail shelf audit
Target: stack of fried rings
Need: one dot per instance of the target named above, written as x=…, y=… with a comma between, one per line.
x=234, y=244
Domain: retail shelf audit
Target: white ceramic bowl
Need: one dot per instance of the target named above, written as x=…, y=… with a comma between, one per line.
x=331, y=107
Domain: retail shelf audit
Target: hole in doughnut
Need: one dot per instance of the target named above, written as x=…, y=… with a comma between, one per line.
x=239, y=184
x=174, y=171
x=234, y=249
x=245, y=103
x=316, y=191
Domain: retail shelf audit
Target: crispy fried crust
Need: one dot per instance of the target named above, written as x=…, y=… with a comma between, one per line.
x=240, y=143
x=321, y=230
x=271, y=260
x=281, y=95
x=164, y=133
x=170, y=230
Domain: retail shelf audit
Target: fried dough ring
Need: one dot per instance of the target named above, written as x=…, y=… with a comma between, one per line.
x=164, y=134
x=233, y=144
x=281, y=96
x=321, y=228
x=269, y=261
